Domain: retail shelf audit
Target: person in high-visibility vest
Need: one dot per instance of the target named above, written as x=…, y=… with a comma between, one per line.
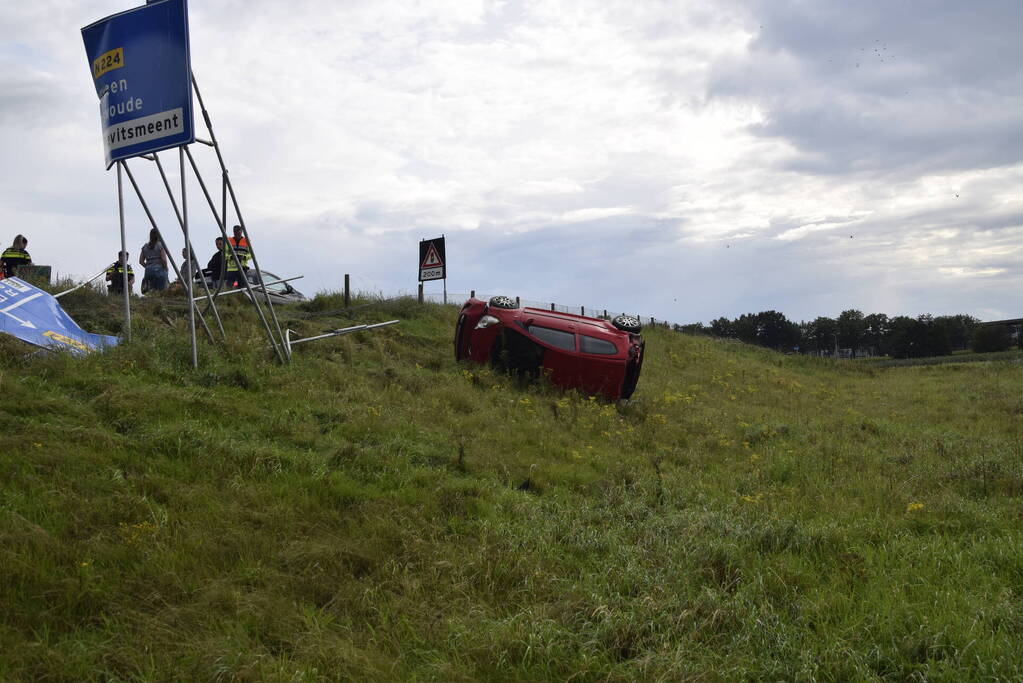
x=115, y=275
x=15, y=256
x=240, y=244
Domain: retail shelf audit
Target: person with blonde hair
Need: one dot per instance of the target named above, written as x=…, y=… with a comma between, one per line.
x=15, y=256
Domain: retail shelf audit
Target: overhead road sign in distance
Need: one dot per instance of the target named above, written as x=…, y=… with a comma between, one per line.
x=141, y=68
x=432, y=260
x=34, y=316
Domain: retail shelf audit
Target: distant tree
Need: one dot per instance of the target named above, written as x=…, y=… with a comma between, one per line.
x=821, y=334
x=746, y=328
x=877, y=329
x=958, y=329
x=722, y=327
x=988, y=338
x=852, y=329
x=777, y=332
x=935, y=337
x=907, y=337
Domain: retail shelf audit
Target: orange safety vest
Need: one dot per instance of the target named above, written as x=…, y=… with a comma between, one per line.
x=241, y=247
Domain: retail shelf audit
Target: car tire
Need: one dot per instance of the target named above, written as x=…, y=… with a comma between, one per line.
x=627, y=323
x=502, y=301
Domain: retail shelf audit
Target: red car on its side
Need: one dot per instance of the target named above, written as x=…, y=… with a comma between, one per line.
x=598, y=357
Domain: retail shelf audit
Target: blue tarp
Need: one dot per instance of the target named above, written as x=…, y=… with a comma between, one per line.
x=34, y=316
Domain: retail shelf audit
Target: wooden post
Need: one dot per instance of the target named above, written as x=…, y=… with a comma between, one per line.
x=472, y=293
x=420, y=292
x=582, y=310
x=605, y=312
x=518, y=304
x=348, y=291
x=552, y=307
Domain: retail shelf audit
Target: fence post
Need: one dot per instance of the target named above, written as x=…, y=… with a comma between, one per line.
x=552, y=307
x=518, y=304
x=582, y=310
x=605, y=312
x=420, y=292
x=472, y=293
x=348, y=292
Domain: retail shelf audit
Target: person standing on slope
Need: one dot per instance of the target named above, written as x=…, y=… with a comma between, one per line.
x=15, y=256
x=154, y=258
x=240, y=244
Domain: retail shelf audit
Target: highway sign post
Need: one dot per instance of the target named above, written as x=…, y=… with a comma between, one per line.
x=433, y=262
x=141, y=69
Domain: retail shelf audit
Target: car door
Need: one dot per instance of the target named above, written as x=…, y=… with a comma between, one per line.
x=602, y=367
x=560, y=361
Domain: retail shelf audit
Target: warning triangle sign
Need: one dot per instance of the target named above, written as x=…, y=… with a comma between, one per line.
x=432, y=259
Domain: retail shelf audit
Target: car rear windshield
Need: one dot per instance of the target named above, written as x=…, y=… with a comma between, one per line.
x=556, y=338
x=593, y=345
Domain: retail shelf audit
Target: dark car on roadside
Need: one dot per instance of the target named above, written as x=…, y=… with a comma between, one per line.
x=596, y=356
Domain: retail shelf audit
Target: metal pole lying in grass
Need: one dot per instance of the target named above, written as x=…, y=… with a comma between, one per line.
x=77, y=287
x=258, y=287
x=289, y=342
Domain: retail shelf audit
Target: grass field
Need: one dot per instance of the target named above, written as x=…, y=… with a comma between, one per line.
x=377, y=512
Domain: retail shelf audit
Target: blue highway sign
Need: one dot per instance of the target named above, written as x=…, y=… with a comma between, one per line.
x=34, y=316
x=142, y=72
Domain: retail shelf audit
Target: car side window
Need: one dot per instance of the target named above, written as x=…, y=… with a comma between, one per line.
x=598, y=346
x=556, y=338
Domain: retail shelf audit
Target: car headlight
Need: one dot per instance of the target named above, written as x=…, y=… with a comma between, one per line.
x=486, y=321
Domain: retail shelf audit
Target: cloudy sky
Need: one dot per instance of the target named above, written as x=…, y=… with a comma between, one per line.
x=684, y=159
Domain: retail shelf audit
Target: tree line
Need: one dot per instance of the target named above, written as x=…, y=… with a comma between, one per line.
x=874, y=334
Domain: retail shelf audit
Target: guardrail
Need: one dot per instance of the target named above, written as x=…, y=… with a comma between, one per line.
x=456, y=298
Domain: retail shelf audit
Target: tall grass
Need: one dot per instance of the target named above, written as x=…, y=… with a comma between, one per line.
x=375, y=511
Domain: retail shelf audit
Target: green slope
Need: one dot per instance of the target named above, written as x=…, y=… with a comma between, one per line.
x=377, y=512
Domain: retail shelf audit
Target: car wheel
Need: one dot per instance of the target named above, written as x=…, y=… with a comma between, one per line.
x=627, y=323
x=502, y=302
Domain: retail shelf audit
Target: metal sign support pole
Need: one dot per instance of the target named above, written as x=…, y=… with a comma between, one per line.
x=121, y=257
x=445, y=291
x=238, y=214
x=152, y=221
x=220, y=223
x=188, y=246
